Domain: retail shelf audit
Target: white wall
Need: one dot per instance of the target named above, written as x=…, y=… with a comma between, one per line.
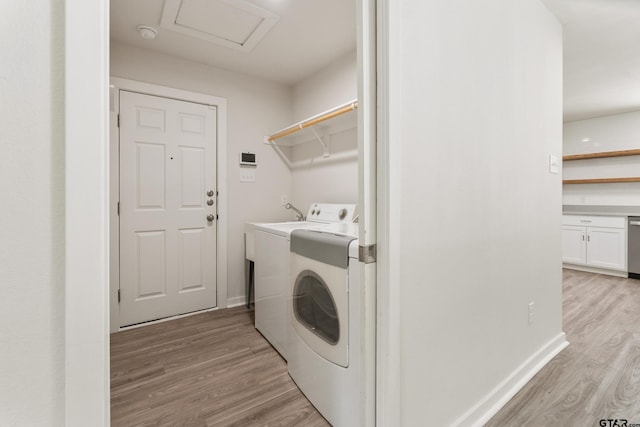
x=475, y=109
x=608, y=133
x=255, y=109
x=332, y=85
x=334, y=179
x=32, y=280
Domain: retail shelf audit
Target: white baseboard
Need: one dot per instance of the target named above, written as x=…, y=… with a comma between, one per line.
x=482, y=412
x=236, y=302
x=231, y=302
x=588, y=269
x=165, y=319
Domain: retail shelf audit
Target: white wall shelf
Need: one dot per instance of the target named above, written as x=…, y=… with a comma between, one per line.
x=318, y=127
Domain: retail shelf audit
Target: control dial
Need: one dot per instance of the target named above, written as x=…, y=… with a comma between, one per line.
x=342, y=213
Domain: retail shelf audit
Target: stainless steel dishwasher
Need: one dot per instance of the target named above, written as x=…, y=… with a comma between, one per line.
x=633, y=253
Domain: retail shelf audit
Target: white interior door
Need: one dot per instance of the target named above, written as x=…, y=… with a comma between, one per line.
x=167, y=207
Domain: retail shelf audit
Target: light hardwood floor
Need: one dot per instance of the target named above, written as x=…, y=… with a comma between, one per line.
x=211, y=369
x=598, y=375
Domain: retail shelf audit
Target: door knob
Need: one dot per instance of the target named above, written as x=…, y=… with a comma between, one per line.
x=210, y=202
x=210, y=217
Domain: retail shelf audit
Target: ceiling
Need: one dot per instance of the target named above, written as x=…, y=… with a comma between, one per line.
x=601, y=56
x=308, y=35
x=601, y=45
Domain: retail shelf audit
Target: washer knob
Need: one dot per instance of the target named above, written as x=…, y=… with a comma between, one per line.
x=342, y=213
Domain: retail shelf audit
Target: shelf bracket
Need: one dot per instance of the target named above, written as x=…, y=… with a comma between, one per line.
x=279, y=151
x=322, y=139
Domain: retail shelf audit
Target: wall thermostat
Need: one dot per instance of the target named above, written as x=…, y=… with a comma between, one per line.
x=248, y=159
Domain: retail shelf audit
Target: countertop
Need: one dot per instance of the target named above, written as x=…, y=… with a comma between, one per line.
x=601, y=210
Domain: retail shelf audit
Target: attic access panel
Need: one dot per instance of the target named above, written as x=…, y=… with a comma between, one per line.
x=236, y=24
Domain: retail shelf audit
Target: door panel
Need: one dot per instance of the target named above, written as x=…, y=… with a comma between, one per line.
x=607, y=248
x=150, y=177
x=151, y=280
x=192, y=123
x=192, y=251
x=192, y=177
x=150, y=118
x=574, y=245
x=167, y=245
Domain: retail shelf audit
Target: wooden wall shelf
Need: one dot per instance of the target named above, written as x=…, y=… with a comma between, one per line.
x=600, y=180
x=601, y=155
x=312, y=121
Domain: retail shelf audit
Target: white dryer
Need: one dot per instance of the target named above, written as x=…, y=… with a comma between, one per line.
x=271, y=256
x=328, y=357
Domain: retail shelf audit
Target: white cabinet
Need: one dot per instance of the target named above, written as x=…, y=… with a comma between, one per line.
x=606, y=248
x=594, y=241
x=574, y=244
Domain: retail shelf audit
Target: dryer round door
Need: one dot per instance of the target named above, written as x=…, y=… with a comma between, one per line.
x=315, y=308
x=320, y=308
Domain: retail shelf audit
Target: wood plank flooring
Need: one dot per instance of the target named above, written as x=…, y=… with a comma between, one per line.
x=211, y=369
x=215, y=369
x=598, y=375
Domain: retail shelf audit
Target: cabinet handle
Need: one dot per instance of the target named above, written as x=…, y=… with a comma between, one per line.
x=583, y=237
x=585, y=220
x=588, y=237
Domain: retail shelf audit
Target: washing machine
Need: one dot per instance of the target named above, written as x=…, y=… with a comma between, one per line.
x=270, y=243
x=330, y=359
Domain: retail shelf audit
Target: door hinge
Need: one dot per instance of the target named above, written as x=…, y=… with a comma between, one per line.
x=118, y=119
x=118, y=296
x=118, y=208
x=367, y=254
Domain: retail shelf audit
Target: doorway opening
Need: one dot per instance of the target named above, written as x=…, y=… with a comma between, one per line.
x=87, y=204
x=165, y=228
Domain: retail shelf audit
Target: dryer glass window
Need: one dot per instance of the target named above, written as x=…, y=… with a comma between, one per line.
x=314, y=307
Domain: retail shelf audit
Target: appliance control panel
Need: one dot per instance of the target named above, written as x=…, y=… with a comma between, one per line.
x=328, y=212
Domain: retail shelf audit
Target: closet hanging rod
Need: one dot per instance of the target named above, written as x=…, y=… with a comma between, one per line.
x=342, y=109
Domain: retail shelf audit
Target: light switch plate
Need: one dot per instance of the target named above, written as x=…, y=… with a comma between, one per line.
x=554, y=164
x=248, y=174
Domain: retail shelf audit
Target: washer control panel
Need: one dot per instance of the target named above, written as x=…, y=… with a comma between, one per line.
x=331, y=212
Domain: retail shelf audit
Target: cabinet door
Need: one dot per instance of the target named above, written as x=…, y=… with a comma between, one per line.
x=574, y=245
x=607, y=248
